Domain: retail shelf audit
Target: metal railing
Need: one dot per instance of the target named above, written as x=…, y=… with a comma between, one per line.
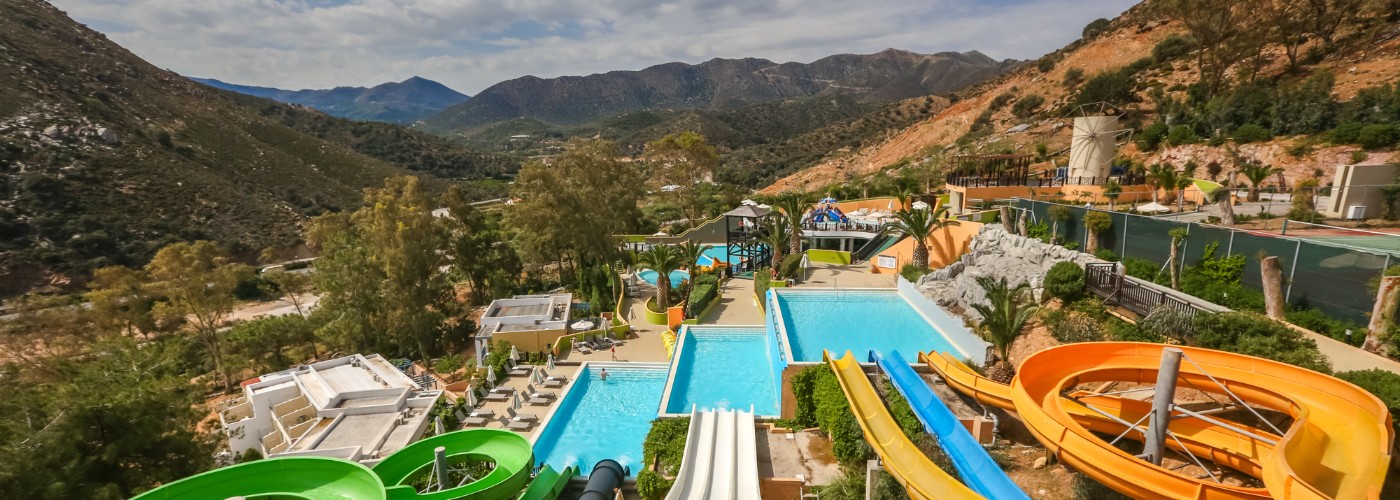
x=973, y=181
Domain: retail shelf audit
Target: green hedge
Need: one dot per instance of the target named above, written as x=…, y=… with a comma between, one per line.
x=702, y=292
x=820, y=402
x=652, y=486
x=761, y=282
x=1255, y=335
x=665, y=444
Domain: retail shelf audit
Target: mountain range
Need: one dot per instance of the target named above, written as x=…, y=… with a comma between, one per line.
x=718, y=84
x=105, y=158
x=403, y=102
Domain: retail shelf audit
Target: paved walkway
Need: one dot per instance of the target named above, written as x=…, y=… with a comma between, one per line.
x=735, y=307
x=823, y=275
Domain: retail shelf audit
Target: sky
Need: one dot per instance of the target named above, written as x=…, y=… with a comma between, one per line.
x=471, y=44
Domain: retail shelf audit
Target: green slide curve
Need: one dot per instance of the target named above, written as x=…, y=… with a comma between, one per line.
x=510, y=451
x=548, y=484
x=310, y=478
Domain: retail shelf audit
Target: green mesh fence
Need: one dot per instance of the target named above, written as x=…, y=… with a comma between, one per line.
x=1329, y=278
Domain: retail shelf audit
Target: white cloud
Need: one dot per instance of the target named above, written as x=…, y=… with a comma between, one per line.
x=471, y=44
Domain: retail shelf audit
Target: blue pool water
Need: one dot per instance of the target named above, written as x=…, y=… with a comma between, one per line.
x=649, y=276
x=716, y=253
x=857, y=321
x=603, y=419
x=723, y=368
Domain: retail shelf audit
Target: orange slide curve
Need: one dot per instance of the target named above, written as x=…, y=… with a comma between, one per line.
x=919, y=476
x=1337, y=447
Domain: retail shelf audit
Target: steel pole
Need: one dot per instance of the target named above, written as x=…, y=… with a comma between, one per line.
x=1155, y=446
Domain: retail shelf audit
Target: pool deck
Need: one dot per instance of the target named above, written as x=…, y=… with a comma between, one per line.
x=824, y=275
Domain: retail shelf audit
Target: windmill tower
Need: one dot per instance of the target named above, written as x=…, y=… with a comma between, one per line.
x=1093, y=146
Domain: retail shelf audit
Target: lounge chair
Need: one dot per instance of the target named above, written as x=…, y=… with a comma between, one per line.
x=521, y=371
x=520, y=425
x=521, y=417
x=532, y=393
x=548, y=377
x=498, y=396
x=582, y=349
x=474, y=421
x=538, y=401
x=502, y=390
x=483, y=414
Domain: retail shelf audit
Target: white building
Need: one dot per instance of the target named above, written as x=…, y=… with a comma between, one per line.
x=358, y=408
x=529, y=322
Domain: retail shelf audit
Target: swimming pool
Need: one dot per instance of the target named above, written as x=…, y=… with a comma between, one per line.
x=717, y=253
x=603, y=418
x=649, y=276
x=724, y=367
x=855, y=320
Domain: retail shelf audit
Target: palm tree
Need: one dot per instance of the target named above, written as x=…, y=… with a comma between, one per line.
x=1112, y=190
x=793, y=206
x=1257, y=173
x=904, y=196
x=1221, y=196
x=920, y=224
x=1164, y=177
x=1058, y=214
x=690, y=253
x=663, y=259
x=1003, y=315
x=1095, y=223
x=775, y=236
x=1177, y=234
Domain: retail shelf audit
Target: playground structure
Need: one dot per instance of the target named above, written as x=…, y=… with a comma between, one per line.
x=1337, y=446
x=826, y=211
x=433, y=461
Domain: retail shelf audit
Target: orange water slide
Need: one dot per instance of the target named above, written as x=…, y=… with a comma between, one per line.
x=919, y=476
x=1337, y=447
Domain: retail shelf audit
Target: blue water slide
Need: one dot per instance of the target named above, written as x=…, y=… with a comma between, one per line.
x=976, y=467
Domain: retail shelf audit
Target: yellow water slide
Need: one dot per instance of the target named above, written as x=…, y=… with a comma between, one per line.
x=919, y=476
x=1337, y=447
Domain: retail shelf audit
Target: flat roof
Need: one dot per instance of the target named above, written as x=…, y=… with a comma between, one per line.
x=520, y=310
x=355, y=430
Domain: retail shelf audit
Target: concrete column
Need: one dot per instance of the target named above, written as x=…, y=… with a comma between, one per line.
x=1155, y=446
x=1271, y=273
x=440, y=466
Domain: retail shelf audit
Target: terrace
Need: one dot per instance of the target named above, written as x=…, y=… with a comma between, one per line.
x=529, y=322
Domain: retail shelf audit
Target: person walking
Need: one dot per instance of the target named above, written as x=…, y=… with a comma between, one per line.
x=614, y=352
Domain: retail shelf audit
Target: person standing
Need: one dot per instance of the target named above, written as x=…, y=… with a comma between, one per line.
x=614, y=352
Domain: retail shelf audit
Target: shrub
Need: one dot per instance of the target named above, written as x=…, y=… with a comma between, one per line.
x=665, y=443
x=1384, y=384
x=448, y=364
x=250, y=455
x=761, y=282
x=1320, y=322
x=1182, y=134
x=1153, y=135
x=1064, y=280
x=1346, y=133
x=1073, y=76
x=999, y=101
x=652, y=485
x=1250, y=132
x=1358, y=157
x=1045, y=64
x=1255, y=335
x=1027, y=105
x=912, y=273
x=791, y=265
x=702, y=293
x=1106, y=254
x=820, y=402
x=1165, y=322
x=1073, y=327
x=1095, y=27
x=1172, y=47
x=1127, y=332
x=1114, y=86
x=1377, y=136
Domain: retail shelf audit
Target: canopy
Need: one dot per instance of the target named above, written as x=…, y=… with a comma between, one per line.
x=514, y=355
x=919, y=205
x=828, y=200
x=583, y=325
x=1154, y=207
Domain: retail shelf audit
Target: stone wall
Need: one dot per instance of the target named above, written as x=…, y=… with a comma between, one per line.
x=997, y=253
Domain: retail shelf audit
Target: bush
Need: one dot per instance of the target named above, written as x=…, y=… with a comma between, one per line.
x=702, y=293
x=1346, y=133
x=1045, y=64
x=652, y=485
x=1320, y=322
x=1114, y=87
x=1064, y=280
x=448, y=364
x=1377, y=136
x=761, y=282
x=665, y=443
x=1153, y=135
x=250, y=455
x=1384, y=384
x=820, y=402
x=1172, y=47
x=1163, y=322
x=1027, y=105
x=999, y=101
x=912, y=273
x=1106, y=255
x=1071, y=327
x=1142, y=269
x=1250, y=132
x=1073, y=76
x=1255, y=335
x=1095, y=27
x=791, y=265
x=1182, y=134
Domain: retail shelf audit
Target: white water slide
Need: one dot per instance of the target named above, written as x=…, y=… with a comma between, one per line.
x=721, y=458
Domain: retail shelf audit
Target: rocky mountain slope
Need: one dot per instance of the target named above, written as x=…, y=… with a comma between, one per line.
x=1364, y=55
x=105, y=158
x=719, y=84
x=403, y=102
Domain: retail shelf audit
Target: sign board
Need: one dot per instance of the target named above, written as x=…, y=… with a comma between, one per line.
x=885, y=261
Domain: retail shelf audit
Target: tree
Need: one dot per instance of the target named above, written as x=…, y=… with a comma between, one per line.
x=683, y=160
x=264, y=344
x=1177, y=234
x=572, y=205
x=103, y=426
x=1095, y=223
x=1214, y=24
x=292, y=286
x=1168, y=179
x=121, y=301
x=197, y=280
x=1257, y=173
x=920, y=224
x=775, y=235
x=1390, y=197
x=1223, y=197
x=1112, y=190
x=479, y=251
x=1290, y=22
x=380, y=273
x=690, y=253
x=663, y=259
x=1058, y=214
x=793, y=206
x=1005, y=312
x=1095, y=27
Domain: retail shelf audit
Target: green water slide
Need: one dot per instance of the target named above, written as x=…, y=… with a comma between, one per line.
x=510, y=451
x=548, y=484
x=310, y=478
